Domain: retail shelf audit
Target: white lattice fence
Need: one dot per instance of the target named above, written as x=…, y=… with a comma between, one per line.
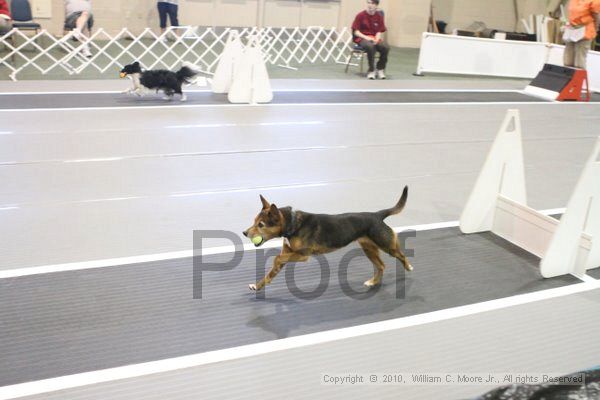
x=285, y=47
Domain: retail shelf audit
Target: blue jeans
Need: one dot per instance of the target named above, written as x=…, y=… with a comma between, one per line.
x=169, y=9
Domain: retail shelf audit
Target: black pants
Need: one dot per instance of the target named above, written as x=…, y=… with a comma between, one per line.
x=371, y=48
x=169, y=9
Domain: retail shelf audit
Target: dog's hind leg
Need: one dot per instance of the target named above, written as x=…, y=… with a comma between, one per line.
x=180, y=93
x=168, y=95
x=372, y=252
x=286, y=256
x=385, y=238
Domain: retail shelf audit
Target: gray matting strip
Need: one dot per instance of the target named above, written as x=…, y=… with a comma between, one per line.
x=64, y=323
x=75, y=100
x=594, y=273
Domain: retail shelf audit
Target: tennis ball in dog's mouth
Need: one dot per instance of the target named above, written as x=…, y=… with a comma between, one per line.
x=257, y=240
x=122, y=74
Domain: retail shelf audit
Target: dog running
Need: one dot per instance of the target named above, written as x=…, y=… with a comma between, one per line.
x=168, y=81
x=307, y=234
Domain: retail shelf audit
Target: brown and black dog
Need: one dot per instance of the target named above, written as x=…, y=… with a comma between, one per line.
x=307, y=234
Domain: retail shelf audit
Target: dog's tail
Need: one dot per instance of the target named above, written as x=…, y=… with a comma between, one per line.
x=185, y=75
x=383, y=214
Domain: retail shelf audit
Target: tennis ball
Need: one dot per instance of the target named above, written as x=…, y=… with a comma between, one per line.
x=257, y=240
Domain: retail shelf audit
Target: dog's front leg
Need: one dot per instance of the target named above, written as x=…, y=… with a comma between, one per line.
x=286, y=256
x=132, y=89
x=137, y=87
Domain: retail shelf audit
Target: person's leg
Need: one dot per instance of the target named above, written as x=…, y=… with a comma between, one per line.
x=172, y=11
x=569, y=54
x=70, y=22
x=162, y=15
x=81, y=23
x=581, y=50
x=369, y=48
x=5, y=26
x=90, y=24
x=383, y=49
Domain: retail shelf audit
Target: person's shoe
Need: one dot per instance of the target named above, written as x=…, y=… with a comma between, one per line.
x=380, y=74
x=85, y=51
x=371, y=75
x=78, y=35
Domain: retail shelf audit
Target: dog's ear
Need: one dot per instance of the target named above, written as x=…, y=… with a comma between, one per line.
x=264, y=202
x=136, y=64
x=274, y=214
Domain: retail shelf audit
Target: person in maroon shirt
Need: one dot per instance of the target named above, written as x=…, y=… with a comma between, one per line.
x=367, y=29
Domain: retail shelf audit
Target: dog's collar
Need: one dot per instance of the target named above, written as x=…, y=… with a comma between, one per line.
x=290, y=228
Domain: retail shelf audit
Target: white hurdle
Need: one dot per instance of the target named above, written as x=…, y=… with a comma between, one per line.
x=228, y=62
x=251, y=83
x=498, y=203
x=582, y=215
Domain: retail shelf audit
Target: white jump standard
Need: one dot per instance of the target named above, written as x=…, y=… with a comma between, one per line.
x=498, y=203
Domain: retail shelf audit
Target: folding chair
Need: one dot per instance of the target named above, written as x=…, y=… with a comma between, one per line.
x=22, y=19
x=357, y=53
x=22, y=16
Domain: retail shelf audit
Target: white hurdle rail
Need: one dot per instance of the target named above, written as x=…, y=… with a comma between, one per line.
x=284, y=47
x=498, y=203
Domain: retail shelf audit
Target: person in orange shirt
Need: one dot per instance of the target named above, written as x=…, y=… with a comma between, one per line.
x=582, y=13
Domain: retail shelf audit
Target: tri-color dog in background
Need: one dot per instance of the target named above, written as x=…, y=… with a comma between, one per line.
x=307, y=234
x=168, y=81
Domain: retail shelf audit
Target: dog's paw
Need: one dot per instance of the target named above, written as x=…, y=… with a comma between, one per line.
x=370, y=283
x=183, y=98
x=252, y=287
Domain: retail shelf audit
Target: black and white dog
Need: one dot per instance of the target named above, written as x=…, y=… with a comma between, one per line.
x=160, y=79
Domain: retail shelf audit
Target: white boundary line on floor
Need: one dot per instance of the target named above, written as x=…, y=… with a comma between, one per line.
x=362, y=90
x=466, y=103
x=587, y=278
x=113, y=262
x=257, y=349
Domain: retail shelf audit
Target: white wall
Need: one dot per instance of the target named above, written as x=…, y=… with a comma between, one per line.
x=281, y=13
x=112, y=15
x=406, y=19
x=496, y=14
x=293, y=13
x=461, y=13
x=320, y=14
